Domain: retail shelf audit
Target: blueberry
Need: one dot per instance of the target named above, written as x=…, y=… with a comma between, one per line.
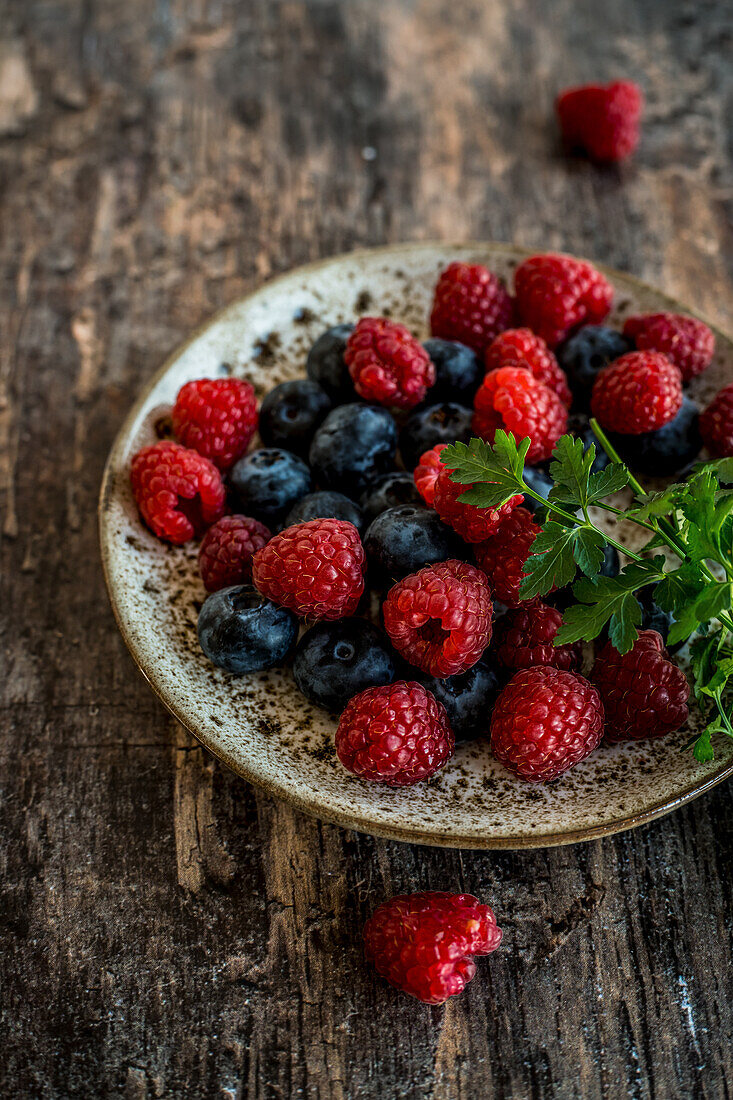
x=586, y=353
x=290, y=414
x=335, y=661
x=325, y=364
x=389, y=491
x=538, y=479
x=354, y=444
x=326, y=505
x=458, y=371
x=669, y=450
x=653, y=617
x=469, y=697
x=402, y=540
x=579, y=426
x=267, y=483
x=436, y=424
x=241, y=631
x=611, y=566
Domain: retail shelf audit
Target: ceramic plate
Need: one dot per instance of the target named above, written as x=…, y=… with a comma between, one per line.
x=260, y=725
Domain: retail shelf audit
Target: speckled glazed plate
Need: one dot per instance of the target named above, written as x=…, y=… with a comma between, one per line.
x=260, y=725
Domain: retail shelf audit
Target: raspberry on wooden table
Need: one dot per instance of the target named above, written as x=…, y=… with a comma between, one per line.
x=439, y=619
x=524, y=638
x=227, y=549
x=216, y=417
x=397, y=734
x=470, y=305
x=179, y=492
x=556, y=293
x=601, y=119
x=504, y=553
x=315, y=568
x=472, y=523
x=387, y=364
x=716, y=424
x=423, y=943
x=640, y=392
x=644, y=693
x=688, y=343
x=520, y=347
x=511, y=398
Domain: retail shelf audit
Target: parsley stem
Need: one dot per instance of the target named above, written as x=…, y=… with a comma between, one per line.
x=574, y=520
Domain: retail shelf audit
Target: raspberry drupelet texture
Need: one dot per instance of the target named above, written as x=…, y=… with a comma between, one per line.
x=216, y=417
x=315, y=568
x=439, y=619
x=397, y=734
x=687, y=342
x=471, y=306
x=227, y=549
x=556, y=293
x=640, y=392
x=473, y=524
x=545, y=721
x=387, y=364
x=423, y=943
x=520, y=347
x=504, y=553
x=426, y=472
x=524, y=638
x=644, y=693
x=178, y=491
x=601, y=119
x=716, y=424
x=511, y=398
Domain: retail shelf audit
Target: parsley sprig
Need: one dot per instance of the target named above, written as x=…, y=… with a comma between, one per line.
x=688, y=555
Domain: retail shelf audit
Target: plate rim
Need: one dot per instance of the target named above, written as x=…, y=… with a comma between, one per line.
x=431, y=838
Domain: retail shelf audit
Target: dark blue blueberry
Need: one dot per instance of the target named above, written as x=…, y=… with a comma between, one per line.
x=469, y=697
x=325, y=364
x=402, y=540
x=267, y=483
x=538, y=479
x=326, y=505
x=290, y=414
x=242, y=632
x=588, y=352
x=353, y=446
x=611, y=564
x=436, y=424
x=669, y=450
x=335, y=661
x=458, y=371
x=389, y=491
x=579, y=426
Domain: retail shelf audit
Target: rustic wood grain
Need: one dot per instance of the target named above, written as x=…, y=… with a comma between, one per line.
x=168, y=931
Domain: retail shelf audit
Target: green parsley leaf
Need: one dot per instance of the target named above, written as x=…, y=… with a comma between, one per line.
x=606, y=482
x=570, y=470
x=702, y=749
x=608, y=600
x=551, y=563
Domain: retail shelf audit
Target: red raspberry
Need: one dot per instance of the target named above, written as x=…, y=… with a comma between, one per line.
x=227, y=549
x=688, y=343
x=426, y=473
x=471, y=306
x=439, y=619
x=423, y=943
x=545, y=721
x=556, y=293
x=716, y=424
x=315, y=568
x=216, y=417
x=504, y=553
x=178, y=491
x=396, y=734
x=637, y=393
x=519, y=347
x=472, y=523
x=387, y=364
x=602, y=120
x=524, y=638
x=644, y=693
x=511, y=398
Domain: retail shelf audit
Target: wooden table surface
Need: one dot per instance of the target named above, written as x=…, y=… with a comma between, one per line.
x=167, y=930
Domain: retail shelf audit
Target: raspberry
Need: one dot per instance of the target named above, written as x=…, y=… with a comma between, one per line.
x=511, y=398
x=472, y=523
x=470, y=305
x=423, y=943
x=396, y=734
x=545, y=721
x=687, y=342
x=504, y=553
x=315, y=568
x=716, y=424
x=602, y=120
x=439, y=619
x=644, y=693
x=387, y=364
x=524, y=638
x=178, y=491
x=227, y=549
x=426, y=473
x=519, y=347
x=638, y=393
x=216, y=417
x=556, y=293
